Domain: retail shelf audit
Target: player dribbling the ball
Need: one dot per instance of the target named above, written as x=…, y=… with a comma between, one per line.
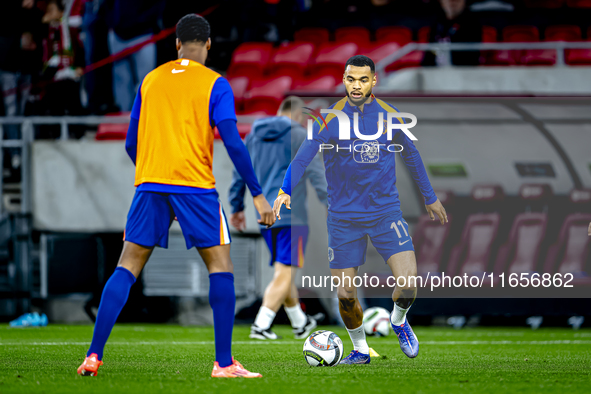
x=363, y=202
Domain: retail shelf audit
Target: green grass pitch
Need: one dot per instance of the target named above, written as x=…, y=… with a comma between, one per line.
x=171, y=359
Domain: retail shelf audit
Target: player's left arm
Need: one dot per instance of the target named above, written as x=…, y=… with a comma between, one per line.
x=412, y=159
x=223, y=116
x=131, y=138
x=236, y=198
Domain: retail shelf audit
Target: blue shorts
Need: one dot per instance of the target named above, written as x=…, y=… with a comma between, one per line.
x=201, y=217
x=287, y=244
x=347, y=239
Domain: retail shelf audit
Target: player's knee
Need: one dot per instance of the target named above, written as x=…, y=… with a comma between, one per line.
x=346, y=292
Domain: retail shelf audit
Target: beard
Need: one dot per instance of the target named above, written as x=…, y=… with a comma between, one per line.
x=361, y=100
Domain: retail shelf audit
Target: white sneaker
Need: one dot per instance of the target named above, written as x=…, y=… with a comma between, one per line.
x=302, y=333
x=257, y=333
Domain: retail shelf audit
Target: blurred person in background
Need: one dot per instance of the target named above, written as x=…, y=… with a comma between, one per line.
x=130, y=23
x=19, y=59
x=63, y=63
x=97, y=83
x=272, y=144
x=455, y=25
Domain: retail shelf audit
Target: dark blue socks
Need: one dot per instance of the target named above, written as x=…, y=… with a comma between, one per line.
x=222, y=299
x=113, y=300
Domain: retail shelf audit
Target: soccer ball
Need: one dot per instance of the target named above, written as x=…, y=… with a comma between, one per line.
x=376, y=321
x=323, y=349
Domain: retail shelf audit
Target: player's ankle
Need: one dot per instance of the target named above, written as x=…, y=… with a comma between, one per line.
x=398, y=315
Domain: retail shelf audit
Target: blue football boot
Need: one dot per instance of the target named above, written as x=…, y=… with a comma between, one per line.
x=407, y=338
x=356, y=358
x=30, y=320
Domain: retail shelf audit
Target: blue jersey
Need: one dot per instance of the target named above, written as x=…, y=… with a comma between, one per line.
x=361, y=175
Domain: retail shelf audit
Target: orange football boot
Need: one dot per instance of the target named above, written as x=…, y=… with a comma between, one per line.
x=90, y=366
x=236, y=370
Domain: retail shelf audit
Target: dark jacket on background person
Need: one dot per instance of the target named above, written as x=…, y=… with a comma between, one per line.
x=272, y=144
x=134, y=18
x=463, y=29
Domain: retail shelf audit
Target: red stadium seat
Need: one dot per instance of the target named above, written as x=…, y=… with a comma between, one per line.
x=412, y=59
x=521, y=33
x=429, y=241
x=239, y=87
x=571, y=253
x=539, y=57
x=553, y=33
x=326, y=83
x=358, y=35
x=544, y=3
x=521, y=252
x=563, y=33
x=517, y=33
x=398, y=34
x=474, y=252
x=489, y=34
x=423, y=35
x=429, y=238
x=472, y=255
x=578, y=3
x=112, y=131
x=380, y=51
x=315, y=35
x=250, y=59
x=265, y=95
x=291, y=58
x=331, y=59
x=579, y=57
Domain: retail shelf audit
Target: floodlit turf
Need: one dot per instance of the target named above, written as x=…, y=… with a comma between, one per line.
x=163, y=358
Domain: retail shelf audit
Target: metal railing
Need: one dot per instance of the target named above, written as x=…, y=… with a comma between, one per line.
x=23, y=219
x=446, y=48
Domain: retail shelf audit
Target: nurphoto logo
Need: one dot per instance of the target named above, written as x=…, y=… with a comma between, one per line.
x=366, y=148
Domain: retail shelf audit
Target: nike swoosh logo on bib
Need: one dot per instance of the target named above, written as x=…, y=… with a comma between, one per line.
x=175, y=71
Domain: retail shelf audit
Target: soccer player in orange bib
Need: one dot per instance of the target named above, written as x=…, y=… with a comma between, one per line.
x=170, y=140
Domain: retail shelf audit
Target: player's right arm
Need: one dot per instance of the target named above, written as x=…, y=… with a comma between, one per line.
x=131, y=139
x=297, y=168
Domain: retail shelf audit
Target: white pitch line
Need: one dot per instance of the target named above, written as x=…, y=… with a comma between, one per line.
x=189, y=343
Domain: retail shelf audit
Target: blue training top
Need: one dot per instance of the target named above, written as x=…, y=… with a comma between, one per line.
x=361, y=175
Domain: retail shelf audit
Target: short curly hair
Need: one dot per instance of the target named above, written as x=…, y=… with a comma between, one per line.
x=192, y=28
x=361, y=61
